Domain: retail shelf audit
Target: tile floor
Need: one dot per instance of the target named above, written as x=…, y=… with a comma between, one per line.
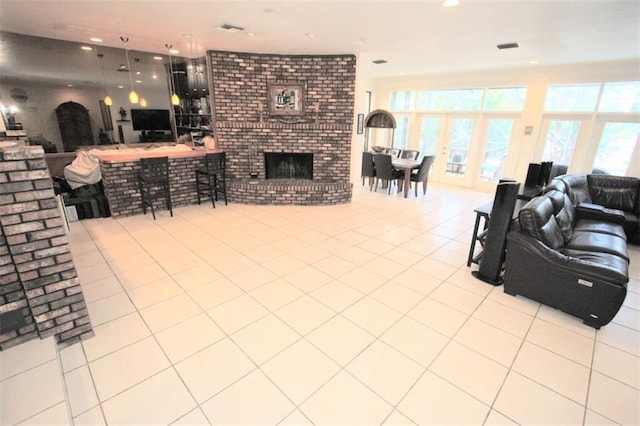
x=356, y=314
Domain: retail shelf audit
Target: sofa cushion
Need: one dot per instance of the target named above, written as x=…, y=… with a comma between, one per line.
x=577, y=188
x=563, y=211
x=536, y=219
x=601, y=227
x=616, y=267
x=598, y=242
x=614, y=192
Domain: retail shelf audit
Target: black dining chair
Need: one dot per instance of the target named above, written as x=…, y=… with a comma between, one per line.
x=422, y=175
x=410, y=154
x=394, y=152
x=153, y=182
x=211, y=179
x=385, y=171
x=368, y=168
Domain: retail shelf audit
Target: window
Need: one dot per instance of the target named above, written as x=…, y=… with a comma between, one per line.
x=616, y=146
x=401, y=133
x=561, y=140
x=620, y=97
x=401, y=101
x=429, y=136
x=505, y=99
x=495, y=149
x=450, y=100
x=572, y=98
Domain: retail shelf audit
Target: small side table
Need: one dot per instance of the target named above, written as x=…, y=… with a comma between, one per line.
x=482, y=214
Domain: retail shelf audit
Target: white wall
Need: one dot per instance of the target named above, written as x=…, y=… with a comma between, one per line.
x=535, y=78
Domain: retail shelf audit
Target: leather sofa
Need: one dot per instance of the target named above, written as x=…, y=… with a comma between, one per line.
x=569, y=258
x=605, y=195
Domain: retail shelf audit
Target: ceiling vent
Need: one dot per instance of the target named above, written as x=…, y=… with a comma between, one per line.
x=230, y=28
x=379, y=61
x=507, y=46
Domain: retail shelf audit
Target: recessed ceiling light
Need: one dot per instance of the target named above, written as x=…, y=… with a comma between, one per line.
x=379, y=61
x=138, y=73
x=450, y=3
x=154, y=76
x=86, y=48
x=158, y=58
x=174, y=51
x=310, y=35
x=138, y=81
x=507, y=46
x=96, y=39
x=69, y=85
x=534, y=62
x=120, y=87
x=251, y=34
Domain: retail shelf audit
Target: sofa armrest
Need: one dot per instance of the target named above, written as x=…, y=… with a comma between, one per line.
x=598, y=212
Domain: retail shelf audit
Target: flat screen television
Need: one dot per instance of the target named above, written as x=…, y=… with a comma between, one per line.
x=150, y=119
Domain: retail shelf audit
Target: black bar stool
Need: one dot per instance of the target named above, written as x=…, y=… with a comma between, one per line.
x=153, y=181
x=211, y=179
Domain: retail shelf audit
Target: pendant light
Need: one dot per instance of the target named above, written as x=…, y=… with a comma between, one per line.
x=175, y=100
x=143, y=102
x=133, y=96
x=107, y=99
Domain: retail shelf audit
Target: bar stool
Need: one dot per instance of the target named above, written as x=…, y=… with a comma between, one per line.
x=211, y=179
x=153, y=181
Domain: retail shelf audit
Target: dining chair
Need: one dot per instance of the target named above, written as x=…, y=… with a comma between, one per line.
x=385, y=171
x=394, y=152
x=211, y=179
x=422, y=175
x=153, y=182
x=409, y=153
x=368, y=168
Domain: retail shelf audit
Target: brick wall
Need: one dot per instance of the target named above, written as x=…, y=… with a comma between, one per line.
x=38, y=276
x=121, y=184
x=240, y=84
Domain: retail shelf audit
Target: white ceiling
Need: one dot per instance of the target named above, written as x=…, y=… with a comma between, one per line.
x=417, y=37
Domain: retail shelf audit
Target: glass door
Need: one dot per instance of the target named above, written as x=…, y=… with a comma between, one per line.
x=448, y=137
x=617, y=143
x=496, y=160
x=560, y=137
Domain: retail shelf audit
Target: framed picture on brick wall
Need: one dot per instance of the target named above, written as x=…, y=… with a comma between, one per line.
x=286, y=98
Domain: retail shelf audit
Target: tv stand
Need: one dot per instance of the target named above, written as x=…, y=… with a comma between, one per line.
x=156, y=136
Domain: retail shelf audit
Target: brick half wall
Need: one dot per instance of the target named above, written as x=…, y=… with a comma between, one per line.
x=38, y=274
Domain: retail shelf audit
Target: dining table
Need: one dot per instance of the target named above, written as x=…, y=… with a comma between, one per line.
x=406, y=165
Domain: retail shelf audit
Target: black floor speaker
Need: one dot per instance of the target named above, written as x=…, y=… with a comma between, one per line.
x=492, y=259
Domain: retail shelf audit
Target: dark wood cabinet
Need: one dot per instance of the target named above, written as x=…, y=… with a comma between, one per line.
x=75, y=125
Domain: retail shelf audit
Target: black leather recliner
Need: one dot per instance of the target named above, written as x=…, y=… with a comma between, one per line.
x=566, y=259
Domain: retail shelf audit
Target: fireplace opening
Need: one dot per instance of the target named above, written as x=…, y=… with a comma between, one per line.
x=288, y=165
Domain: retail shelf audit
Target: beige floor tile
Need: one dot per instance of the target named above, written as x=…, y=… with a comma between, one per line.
x=81, y=392
x=276, y=294
x=161, y=399
x=300, y=370
x=265, y=338
x=211, y=295
x=345, y=400
x=43, y=384
x=441, y=318
x=251, y=400
x=53, y=416
x=237, y=313
x=336, y=295
x=188, y=337
x=114, y=335
x=363, y=280
x=614, y=400
x=154, y=292
x=456, y=298
x=561, y=341
x=28, y=355
x=516, y=397
x=386, y=371
x=372, y=315
x=133, y=364
x=397, y=296
x=340, y=339
x=435, y=401
x=503, y=317
x=110, y=308
x=489, y=341
x=468, y=370
x=553, y=371
x=169, y=312
x=617, y=364
x=304, y=314
x=226, y=364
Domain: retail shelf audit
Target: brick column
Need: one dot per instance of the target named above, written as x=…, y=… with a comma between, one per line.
x=37, y=274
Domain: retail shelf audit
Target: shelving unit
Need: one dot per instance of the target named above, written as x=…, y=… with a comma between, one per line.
x=191, y=83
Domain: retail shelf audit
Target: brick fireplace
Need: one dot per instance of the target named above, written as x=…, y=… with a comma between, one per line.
x=244, y=128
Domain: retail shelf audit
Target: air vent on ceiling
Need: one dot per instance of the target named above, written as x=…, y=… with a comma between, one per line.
x=230, y=28
x=379, y=61
x=507, y=46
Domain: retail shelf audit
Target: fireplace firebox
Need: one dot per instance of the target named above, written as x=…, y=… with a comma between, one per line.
x=288, y=165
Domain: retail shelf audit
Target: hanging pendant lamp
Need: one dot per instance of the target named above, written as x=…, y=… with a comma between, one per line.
x=133, y=96
x=175, y=99
x=107, y=99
